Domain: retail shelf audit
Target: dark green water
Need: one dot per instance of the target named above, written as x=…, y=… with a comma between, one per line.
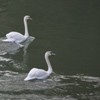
x=70, y=28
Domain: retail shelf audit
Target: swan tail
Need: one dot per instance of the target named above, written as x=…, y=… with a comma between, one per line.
x=28, y=78
x=8, y=40
x=12, y=40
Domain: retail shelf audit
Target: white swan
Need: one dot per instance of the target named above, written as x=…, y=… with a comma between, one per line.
x=36, y=73
x=16, y=36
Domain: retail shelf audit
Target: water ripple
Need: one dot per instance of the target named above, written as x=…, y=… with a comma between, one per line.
x=68, y=87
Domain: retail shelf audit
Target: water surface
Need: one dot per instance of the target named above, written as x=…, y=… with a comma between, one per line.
x=70, y=28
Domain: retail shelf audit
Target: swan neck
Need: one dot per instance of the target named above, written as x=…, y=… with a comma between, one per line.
x=50, y=70
x=26, y=28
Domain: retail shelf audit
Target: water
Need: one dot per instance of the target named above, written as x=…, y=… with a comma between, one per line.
x=68, y=28
x=57, y=87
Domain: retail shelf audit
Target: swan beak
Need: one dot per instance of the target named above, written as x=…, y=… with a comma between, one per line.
x=30, y=18
x=53, y=53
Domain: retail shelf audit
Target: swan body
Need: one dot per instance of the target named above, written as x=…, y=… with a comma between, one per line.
x=16, y=36
x=36, y=73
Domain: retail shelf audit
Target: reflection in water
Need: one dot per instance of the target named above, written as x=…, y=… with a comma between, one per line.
x=8, y=50
x=8, y=47
x=26, y=44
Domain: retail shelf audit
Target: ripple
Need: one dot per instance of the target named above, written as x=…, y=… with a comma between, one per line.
x=3, y=59
x=86, y=78
x=63, y=87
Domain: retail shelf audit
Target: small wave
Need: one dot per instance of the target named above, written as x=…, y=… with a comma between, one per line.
x=3, y=59
x=86, y=78
x=8, y=73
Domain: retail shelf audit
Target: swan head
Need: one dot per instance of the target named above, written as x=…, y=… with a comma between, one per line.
x=49, y=53
x=27, y=17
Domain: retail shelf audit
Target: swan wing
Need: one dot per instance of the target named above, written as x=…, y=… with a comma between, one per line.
x=18, y=37
x=36, y=74
x=41, y=74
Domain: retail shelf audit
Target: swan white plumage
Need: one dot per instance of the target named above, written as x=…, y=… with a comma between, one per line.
x=16, y=36
x=36, y=73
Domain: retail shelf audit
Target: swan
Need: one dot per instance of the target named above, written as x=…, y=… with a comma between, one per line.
x=16, y=36
x=36, y=73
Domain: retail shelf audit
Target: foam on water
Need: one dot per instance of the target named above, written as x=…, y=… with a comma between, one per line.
x=56, y=87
